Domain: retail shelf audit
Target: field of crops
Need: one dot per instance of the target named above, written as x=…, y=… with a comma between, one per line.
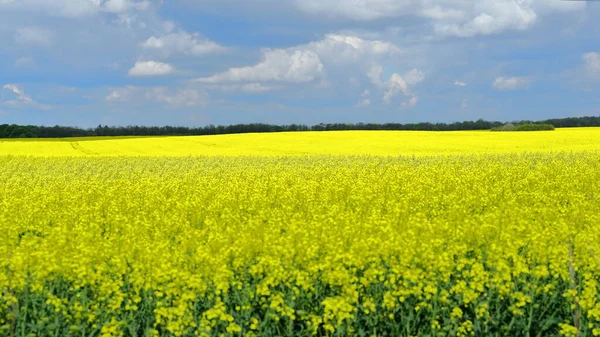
x=435, y=234
x=382, y=143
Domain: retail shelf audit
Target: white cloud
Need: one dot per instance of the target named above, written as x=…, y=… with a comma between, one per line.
x=305, y=63
x=437, y=12
x=122, y=6
x=350, y=56
x=18, y=97
x=460, y=84
x=592, y=64
x=74, y=8
x=414, y=77
x=464, y=18
x=182, y=43
x=412, y=101
x=348, y=48
x=365, y=99
x=492, y=17
x=150, y=68
x=170, y=98
x=344, y=54
x=397, y=85
x=511, y=83
x=279, y=65
x=33, y=36
x=18, y=91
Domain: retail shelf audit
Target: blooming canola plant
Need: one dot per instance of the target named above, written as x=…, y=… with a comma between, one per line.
x=302, y=234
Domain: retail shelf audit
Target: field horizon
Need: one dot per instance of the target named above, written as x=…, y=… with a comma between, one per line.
x=386, y=143
x=334, y=233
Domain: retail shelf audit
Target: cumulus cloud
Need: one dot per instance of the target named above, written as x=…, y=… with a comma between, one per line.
x=170, y=98
x=278, y=65
x=150, y=68
x=397, y=85
x=182, y=43
x=511, y=83
x=460, y=84
x=592, y=63
x=307, y=62
x=72, y=8
x=348, y=55
x=33, y=36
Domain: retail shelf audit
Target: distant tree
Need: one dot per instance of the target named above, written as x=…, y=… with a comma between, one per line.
x=25, y=131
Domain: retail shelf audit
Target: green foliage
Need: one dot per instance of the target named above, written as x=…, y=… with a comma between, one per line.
x=525, y=127
x=534, y=127
x=32, y=131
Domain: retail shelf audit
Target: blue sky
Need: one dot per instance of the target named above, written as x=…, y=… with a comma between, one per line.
x=198, y=62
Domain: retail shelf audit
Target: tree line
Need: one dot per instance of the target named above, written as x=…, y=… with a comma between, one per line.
x=33, y=131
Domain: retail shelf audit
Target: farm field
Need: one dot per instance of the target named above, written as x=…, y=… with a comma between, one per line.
x=302, y=234
x=385, y=143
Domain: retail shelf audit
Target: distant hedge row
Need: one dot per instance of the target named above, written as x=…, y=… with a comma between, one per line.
x=524, y=127
x=32, y=131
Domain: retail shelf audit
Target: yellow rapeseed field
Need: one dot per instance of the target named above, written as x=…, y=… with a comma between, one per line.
x=302, y=234
x=386, y=143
